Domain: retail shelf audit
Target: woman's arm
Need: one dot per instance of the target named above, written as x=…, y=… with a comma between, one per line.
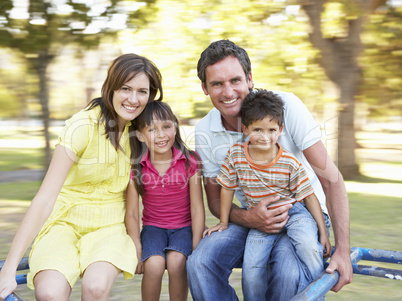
x=39, y=210
x=132, y=221
x=313, y=206
x=197, y=208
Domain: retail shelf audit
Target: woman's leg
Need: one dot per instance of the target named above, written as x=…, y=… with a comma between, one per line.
x=176, y=267
x=51, y=285
x=154, y=267
x=97, y=281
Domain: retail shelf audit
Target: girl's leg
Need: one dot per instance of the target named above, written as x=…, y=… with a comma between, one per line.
x=154, y=267
x=51, y=285
x=97, y=281
x=178, y=285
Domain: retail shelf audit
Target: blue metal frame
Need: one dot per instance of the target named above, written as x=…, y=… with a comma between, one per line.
x=318, y=288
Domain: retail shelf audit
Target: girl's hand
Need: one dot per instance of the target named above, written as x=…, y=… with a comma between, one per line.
x=326, y=244
x=140, y=265
x=7, y=285
x=140, y=268
x=219, y=227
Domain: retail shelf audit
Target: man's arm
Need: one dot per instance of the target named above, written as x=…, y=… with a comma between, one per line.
x=270, y=221
x=338, y=207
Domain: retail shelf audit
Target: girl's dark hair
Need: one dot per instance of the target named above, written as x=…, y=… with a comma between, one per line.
x=123, y=69
x=155, y=110
x=260, y=104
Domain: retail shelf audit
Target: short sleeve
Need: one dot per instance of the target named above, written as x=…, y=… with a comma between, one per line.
x=299, y=123
x=299, y=182
x=76, y=133
x=227, y=176
x=194, y=164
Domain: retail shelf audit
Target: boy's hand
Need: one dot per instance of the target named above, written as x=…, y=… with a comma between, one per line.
x=326, y=244
x=219, y=227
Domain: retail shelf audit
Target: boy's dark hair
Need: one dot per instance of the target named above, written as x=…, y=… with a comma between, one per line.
x=260, y=104
x=218, y=51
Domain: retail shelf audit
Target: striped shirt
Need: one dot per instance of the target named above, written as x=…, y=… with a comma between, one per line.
x=283, y=176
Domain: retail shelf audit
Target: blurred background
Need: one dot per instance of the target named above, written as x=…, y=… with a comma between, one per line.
x=342, y=58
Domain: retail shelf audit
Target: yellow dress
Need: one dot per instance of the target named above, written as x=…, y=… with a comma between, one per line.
x=87, y=222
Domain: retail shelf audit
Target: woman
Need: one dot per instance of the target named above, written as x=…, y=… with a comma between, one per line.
x=80, y=206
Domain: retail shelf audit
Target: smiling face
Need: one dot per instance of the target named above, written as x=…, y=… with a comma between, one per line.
x=263, y=134
x=227, y=86
x=159, y=138
x=131, y=99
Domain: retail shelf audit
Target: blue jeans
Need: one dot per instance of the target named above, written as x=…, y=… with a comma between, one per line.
x=303, y=234
x=211, y=263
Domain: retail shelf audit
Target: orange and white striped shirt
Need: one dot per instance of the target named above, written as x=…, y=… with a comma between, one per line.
x=283, y=176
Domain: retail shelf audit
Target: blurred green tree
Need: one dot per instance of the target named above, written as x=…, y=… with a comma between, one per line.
x=340, y=46
x=381, y=90
x=41, y=29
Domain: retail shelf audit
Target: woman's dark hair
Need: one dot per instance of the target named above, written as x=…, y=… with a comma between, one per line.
x=123, y=69
x=259, y=104
x=154, y=111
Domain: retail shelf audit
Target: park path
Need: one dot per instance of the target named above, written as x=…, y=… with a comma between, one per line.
x=22, y=175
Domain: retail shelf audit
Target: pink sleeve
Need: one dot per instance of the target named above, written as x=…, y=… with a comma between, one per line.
x=194, y=165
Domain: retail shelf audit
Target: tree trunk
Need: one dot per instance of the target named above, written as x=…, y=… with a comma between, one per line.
x=346, y=132
x=41, y=64
x=339, y=61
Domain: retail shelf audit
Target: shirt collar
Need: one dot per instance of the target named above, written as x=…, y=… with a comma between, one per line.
x=216, y=126
x=177, y=155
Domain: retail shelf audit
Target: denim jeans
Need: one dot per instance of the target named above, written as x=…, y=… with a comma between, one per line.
x=157, y=241
x=303, y=234
x=211, y=263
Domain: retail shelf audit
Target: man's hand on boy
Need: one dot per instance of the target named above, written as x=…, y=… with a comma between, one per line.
x=268, y=220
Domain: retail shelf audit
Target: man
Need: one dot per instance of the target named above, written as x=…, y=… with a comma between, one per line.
x=225, y=73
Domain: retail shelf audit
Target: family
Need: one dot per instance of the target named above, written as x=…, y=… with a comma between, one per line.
x=261, y=146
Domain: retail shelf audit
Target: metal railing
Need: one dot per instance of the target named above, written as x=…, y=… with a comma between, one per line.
x=318, y=288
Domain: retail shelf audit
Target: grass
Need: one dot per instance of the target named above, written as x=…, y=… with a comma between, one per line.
x=17, y=159
x=375, y=211
x=19, y=191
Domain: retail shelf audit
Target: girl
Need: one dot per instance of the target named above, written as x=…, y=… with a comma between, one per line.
x=168, y=178
x=79, y=208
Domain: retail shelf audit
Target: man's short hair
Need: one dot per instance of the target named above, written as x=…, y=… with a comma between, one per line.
x=259, y=104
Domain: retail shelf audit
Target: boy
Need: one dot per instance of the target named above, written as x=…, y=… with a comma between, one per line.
x=262, y=168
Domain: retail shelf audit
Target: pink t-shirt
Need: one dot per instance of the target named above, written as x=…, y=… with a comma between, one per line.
x=166, y=199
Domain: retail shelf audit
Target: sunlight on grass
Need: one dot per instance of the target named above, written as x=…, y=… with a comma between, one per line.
x=17, y=159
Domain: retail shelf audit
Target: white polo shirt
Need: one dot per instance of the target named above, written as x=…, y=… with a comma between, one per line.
x=300, y=131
